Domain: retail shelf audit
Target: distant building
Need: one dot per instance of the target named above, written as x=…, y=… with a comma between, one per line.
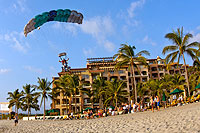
x=105, y=67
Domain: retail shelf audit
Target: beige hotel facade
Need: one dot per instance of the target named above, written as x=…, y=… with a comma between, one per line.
x=105, y=67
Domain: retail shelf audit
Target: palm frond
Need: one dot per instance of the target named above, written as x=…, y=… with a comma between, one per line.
x=169, y=49
x=143, y=52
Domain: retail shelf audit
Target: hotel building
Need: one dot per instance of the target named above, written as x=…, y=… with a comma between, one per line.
x=105, y=67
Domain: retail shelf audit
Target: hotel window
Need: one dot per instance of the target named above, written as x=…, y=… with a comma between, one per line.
x=144, y=79
x=111, y=72
x=151, y=62
x=77, y=100
x=153, y=69
x=122, y=77
x=85, y=76
x=136, y=73
x=144, y=72
x=86, y=100
x=57, y=102
x=121, y=71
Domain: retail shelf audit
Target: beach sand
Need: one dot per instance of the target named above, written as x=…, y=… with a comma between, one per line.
x=171, y=120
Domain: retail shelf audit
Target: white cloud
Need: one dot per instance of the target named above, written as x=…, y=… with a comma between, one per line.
x=19, y=5
x=134, y=5
x=99, y=27
x=2, y=71
x=196, y=38
x=109, y=46
x=196, y=35
x=88, y=52
x=33, y=69
x=72, y=28
x=198, y=27
x=16, y=41
x=148, y=40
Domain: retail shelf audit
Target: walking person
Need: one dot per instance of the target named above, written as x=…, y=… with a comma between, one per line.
x=16, y=119
x=151, y=102
x=158, y=103
x=155, y=102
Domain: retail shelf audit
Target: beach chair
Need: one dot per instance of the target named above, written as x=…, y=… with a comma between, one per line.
x=197, y=98
x=188, y=100
x=174, y=103
x=192, y=99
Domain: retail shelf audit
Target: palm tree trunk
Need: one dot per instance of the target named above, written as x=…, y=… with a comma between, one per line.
x=28, y=112
x=15, y=108
x=44, y=109
x=66, y=105
x=100, y=102
x=70, y=104
x=116, y=103
x=133, y=81
x=75, y=102
x=186, y=76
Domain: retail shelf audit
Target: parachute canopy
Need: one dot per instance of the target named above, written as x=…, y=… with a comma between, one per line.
x=54, y=15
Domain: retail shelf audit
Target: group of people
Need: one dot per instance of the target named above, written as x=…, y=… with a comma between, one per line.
x=155, y=103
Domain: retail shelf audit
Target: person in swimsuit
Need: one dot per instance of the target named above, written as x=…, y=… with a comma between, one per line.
x=16, y=119
x=158, y=103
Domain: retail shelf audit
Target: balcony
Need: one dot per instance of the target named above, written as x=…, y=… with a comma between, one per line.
x=155, y=75
x=144, y=73
x=153, y=69
x=122, y=77
x=84, y=86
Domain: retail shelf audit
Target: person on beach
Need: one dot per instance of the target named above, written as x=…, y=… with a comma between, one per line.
x=134, y=108
x=35, y=117
x=151, y=102
x=158, y=103
x=155, y=102
x=91, y=114
x=130, y=108
x=72, y=115
x=16, y=119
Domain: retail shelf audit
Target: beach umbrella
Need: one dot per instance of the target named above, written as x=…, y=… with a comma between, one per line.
x=88, y=108
x=111, y=107
x=198, y=86
x=176, y=91
x=53, y=110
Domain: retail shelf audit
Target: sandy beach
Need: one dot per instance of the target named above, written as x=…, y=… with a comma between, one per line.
x=175, y=119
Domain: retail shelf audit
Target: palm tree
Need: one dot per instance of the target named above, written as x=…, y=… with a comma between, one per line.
x=15, y=99
x=98, y=86
x=180, y=46
x=29, y=98
x=141, y=90
x=61, y=85
x=44, y=88
x=89, y=93
x=73, y=85
x=127, y=56
x=115, y=92
x=179, y=82
x=166, y=83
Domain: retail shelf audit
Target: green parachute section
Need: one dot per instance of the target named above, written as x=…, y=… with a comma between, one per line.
x=54, y=15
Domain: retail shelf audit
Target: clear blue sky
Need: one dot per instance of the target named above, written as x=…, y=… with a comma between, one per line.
x=106, y=25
